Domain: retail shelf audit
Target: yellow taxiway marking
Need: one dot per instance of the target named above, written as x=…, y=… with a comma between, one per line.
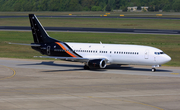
x=175, y=73
x=158, y=14
x=14, y=73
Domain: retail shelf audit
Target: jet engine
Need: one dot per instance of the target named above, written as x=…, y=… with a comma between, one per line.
x=97, y=63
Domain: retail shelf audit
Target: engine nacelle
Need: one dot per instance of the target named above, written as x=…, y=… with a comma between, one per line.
x=97, y=63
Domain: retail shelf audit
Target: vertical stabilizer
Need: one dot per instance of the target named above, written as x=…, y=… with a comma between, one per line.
x=38, y=31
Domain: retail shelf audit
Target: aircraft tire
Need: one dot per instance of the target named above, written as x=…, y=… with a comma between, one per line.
x=153, y=69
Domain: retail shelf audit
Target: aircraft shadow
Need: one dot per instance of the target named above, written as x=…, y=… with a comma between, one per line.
x=51, y=63
x=130, y=68
x=108, y=67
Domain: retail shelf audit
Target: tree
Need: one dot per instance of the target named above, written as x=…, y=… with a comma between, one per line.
x=74, y=5
x=108, y=7
x=43, y=5
x=35, y=5
x=138, y=7
x=166, y=5
x=7, y=6
x=111, y=3
x=96, y=8
x=78, y=5
x=124, y=8
x=156, y=8
x=176, y=5
x=53, y=5
x=103, y=5
x=117, y=4
x=87, y=3
x=17, y=6
x=150, y=8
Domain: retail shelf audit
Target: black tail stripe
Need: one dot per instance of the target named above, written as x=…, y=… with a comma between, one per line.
x=72, y=50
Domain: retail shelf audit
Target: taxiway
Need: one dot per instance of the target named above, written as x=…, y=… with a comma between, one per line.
x=59, y=85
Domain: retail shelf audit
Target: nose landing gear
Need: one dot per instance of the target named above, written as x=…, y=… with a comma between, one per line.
x=154, y=69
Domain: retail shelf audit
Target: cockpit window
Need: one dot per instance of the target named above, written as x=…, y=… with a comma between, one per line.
x=161, y=52
x=158, y=53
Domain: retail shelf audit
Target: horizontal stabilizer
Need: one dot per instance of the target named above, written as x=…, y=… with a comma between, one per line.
x=35, y=45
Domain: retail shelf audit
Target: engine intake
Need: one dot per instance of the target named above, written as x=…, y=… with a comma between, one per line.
x=97, y=63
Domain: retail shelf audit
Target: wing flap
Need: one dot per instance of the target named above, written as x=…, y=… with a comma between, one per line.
x=66, y=58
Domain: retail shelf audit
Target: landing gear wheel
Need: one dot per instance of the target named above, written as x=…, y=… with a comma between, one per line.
x=153, y=69
x=86, y=67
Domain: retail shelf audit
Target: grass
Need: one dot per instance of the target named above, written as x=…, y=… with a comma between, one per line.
x=168, y=43
x=96, y=13
x=97, y=23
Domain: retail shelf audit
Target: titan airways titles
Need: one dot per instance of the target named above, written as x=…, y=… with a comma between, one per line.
x=94, y=55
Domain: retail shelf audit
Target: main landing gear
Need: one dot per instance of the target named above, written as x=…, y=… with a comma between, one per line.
x=86, y=67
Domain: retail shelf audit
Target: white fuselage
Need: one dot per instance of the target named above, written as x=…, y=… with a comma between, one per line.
x=121, y=53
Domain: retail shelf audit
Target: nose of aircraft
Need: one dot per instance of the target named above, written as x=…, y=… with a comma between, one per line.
x=163, y=59
x=167, y=58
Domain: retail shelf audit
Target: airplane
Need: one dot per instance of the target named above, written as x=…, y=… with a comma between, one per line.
x=94, y=55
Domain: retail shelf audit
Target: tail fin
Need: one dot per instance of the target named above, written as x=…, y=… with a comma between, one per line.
x=39, y=33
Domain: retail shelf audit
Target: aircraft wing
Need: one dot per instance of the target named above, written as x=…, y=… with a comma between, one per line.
x=83, y=60
x=66, y=58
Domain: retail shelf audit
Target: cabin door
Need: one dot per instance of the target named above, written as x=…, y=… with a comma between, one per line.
x=146, y=54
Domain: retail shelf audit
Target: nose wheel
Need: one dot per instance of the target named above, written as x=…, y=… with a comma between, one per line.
x=153, y=69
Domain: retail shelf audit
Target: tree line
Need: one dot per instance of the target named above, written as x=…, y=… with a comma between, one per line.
x=86, y=5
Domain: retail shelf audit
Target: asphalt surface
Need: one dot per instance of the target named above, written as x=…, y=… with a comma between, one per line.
x=100, y=30
x=59, y=85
